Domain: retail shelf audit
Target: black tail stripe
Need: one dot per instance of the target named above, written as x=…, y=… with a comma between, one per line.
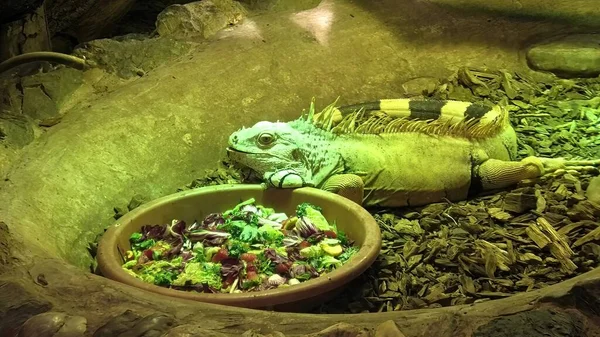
x=368, y=106
x=426, y=109
x=477, y=111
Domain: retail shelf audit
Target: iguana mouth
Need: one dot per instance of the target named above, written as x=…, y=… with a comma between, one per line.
x=230, y=149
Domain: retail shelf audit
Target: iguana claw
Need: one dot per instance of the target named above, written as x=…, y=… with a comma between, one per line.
x=553, y=164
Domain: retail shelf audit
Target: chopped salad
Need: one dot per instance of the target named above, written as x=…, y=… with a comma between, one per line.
x=247, y=248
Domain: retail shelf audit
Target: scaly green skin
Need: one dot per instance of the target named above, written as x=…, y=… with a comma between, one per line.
x=389, y=169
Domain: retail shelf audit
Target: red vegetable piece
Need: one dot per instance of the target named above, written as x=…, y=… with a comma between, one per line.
x=221, y=255
x=283, y=268
x=251, y=275
x=304, y=244
x=330, y=234
x=251, y=268
x=248, y=257
x=148, y=253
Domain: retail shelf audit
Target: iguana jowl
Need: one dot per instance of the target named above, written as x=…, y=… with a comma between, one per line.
x=391, y=153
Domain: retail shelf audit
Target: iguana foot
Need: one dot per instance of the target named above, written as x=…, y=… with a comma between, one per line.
x=349, y=186
x=285, y=179
x=555, y=164
x=495, y=173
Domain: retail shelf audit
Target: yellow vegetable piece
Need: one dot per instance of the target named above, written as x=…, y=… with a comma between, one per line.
x=290, y=223
x=161, y=247
x=332, y=250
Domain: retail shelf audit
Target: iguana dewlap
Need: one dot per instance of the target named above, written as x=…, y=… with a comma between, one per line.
x=391, y=153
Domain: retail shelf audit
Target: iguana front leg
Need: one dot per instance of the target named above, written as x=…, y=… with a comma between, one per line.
x=349, y=186
x=286, y=179
x=495, y=173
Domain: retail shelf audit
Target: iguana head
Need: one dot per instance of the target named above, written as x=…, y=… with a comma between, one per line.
x=296, y=145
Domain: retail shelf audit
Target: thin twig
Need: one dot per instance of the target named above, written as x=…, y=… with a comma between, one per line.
x=534, y=115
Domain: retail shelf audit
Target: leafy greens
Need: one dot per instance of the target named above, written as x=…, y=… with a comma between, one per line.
x=247, y=248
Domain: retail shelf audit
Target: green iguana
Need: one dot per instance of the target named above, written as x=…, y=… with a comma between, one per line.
x=392, y=153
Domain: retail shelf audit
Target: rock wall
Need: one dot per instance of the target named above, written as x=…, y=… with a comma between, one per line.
x=14, y=9
x=575, y=12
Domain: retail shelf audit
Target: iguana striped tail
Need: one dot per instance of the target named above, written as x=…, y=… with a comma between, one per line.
x=436, y=117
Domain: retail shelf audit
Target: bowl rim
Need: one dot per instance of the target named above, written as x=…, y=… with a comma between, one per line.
x=107, y=255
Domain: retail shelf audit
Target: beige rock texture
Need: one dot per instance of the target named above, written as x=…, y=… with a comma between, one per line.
x=199, y=19
x=388, y=329
x=576, y=55
x=280, y=5
x=576, y=12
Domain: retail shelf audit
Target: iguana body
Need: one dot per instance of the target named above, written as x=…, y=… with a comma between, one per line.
x=393, y=153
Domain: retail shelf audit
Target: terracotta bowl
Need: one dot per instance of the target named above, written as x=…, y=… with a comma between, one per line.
x=189, y=205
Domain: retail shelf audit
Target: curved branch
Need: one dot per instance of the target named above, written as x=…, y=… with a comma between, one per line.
x=68, y=60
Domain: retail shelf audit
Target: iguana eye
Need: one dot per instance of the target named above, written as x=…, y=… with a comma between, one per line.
x=266, y=138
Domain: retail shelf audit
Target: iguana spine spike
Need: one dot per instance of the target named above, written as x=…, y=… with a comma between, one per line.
x=352, y=120
x=311, y=111
x=453, y=118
